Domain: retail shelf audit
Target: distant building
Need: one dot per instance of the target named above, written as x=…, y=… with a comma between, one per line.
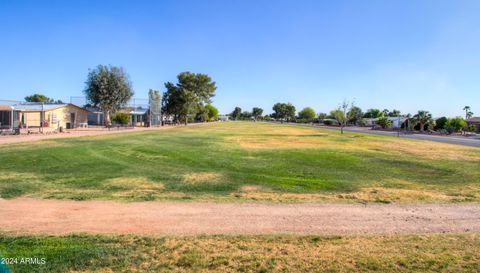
x=397, y=122
x=138, y=115
x=223, y=118
x=474, y=121
x=41, y=115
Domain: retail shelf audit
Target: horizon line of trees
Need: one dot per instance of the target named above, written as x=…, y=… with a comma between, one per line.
x=350, y=114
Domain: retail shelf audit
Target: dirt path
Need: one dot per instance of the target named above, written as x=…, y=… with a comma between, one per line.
x=26, y=215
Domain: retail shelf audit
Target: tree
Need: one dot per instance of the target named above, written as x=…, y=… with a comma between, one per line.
x=384, y=122
x=290, y=111
x=355, y=114
x=373, y=113
x=257, y=112
x=246, y=115
x=341, y=114
x=212, y=112
x=307, y=114
x=423, y=118
x=284, y=111
x=188, y=96
x=322, y=116
x=109, y=88
x=468, y=113
x=394, y=113
x=440, y=123
x=41, y=98
x=237, y=112
x=457, y=123
x=385, y=112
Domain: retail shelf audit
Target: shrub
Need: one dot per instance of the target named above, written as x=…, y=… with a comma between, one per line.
x=472, y=128
x=456, y=123
x=384, y=122
x=440, y=123
x=121, y=118
x=307, y=114
x=330, y=122
x=450, y=129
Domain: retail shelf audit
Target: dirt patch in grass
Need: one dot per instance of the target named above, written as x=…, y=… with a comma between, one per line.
x=201, y=177
x=250, y=188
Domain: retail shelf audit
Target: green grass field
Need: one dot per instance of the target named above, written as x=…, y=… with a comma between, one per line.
x=242, y=161
x=268, y=253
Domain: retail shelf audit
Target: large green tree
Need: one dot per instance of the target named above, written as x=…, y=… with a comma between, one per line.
x=355, y=114
x=257, y=112
x=109, y=88
x=236, y=113
x=188, y=96
x=284, y=111
x=307, y=114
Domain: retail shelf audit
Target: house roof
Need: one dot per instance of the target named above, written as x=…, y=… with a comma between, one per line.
x=6, y=108
x=474, y=119
x=139, y=111
x=37, y=107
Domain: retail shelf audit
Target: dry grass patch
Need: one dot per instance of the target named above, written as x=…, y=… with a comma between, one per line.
x=202, y=177
x=376, y=194
x=134, y=186
x=6, y=176
x=275, y=142
x=424, y=149
x=268, y=253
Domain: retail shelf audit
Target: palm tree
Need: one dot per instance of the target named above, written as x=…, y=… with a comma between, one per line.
x=423, y=118
x=468, y=113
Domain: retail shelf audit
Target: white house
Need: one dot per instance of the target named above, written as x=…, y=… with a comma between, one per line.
x=223, y=118
x=396, y=121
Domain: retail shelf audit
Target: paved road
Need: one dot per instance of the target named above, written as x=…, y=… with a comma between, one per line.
x=474, y=142
x=33, y=216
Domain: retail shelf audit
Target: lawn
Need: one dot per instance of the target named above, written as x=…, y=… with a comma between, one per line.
x=266, y=253
x=242, y=161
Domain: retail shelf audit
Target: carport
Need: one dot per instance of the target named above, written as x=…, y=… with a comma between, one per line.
x=6, y=117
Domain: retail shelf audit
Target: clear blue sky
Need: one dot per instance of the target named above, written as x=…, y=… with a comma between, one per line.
x=405, y=54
